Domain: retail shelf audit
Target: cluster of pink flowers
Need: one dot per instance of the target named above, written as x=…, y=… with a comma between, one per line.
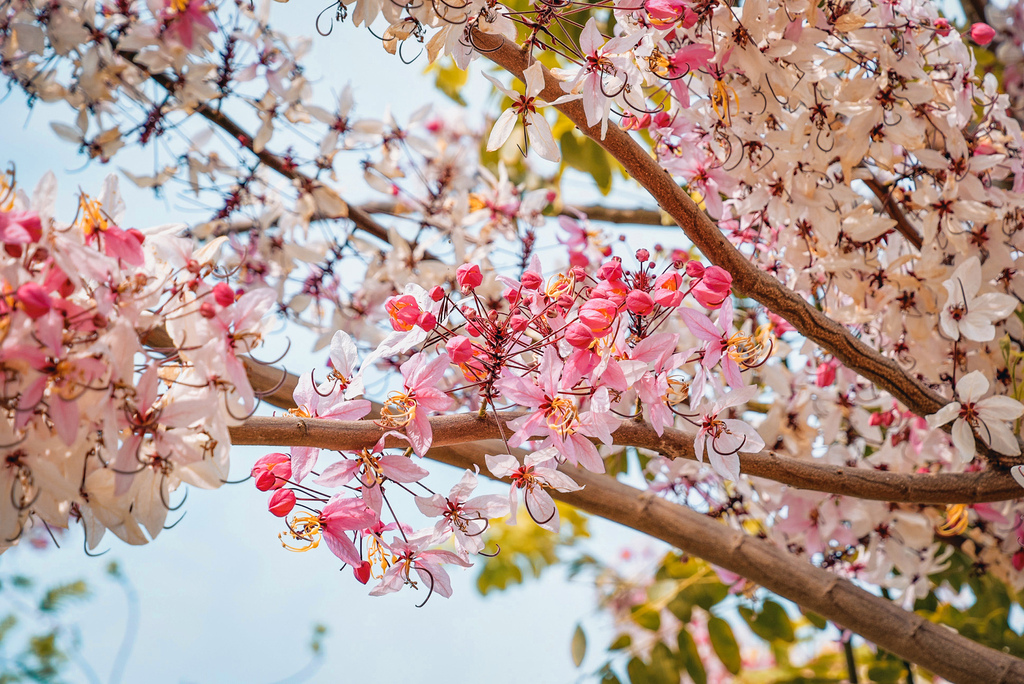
x=96, y=427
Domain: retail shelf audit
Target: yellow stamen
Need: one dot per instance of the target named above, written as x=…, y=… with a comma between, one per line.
x=561, y=415
x=398, y=410
x=376, y=555
x=751, y=351
x=678, y=392
x=304, y=528
x=719, y=96
x=559, y=285
x=91, y=219
x=957, y=520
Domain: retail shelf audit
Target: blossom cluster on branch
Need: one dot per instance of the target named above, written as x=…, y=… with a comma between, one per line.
x=97, y=427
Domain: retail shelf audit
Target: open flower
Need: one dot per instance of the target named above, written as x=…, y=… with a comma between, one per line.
x=462, y=516
x=969, y=314
x=988, y=417
x=723, y=438
x=524, y=108
x=536, y=472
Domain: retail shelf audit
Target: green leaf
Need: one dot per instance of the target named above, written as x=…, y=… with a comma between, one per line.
x=663, y=667
x=450, y=79
x=885, y=672
x=815, y=619
x=622, y=641
x=637, y=671
x=724, y=642
x=681, y=607
x=646, y=617
x=579, y=645
x=690, y=659
x=55, y=597
x=771, y=624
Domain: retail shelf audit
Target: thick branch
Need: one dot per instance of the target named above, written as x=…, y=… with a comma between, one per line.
x=909, y=636
x=862, y=483
x=703, y=233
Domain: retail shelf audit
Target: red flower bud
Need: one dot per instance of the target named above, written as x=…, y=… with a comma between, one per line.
x=207, y=310
x=579, y=335
x=639, y=302
x=460, y=349
x=610, y=270
x=271, y=471
x=282, y=502
x=34, y=300
x=694, y=269
x=436, y=293
x=468, y=276
x=531, y=280
x=642, y=255
x=982, y=34
x=223, y=294
x=426, y=321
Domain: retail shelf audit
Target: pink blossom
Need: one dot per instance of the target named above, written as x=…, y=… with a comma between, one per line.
x=982, y=34
x=271, y=471
x=468, y=277
x=536, y=472
x=714, y=287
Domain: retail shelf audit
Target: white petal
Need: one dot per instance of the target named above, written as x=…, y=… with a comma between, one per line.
x=540, y=137
x=944, y=414
x=963, y=439
x=999, y=436
x=999, y=407
x=502, y=129
x=972, y=387
x=534, y=75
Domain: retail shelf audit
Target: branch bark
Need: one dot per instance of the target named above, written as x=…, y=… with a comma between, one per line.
x=462, y=428
x=706, y=236
x=938, y=648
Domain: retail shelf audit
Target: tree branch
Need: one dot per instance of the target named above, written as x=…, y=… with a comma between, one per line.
x=940, y=649
x=895, y=212
x=706, y=236
x=462, y=428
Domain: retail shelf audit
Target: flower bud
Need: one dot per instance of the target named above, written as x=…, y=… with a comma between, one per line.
x=982, y=34
x=942, y=26
x=713, y=288
x=667, y=289
x=468, y=276
x=518, y=323
x=362, y=572
x=271, y=471
x=531, y=280
x=207, y=310
x=223, y=294
x=642, y=255
x=436, y=293
x=511, y=295
x=426, y=321
x=610, y=270
x=694, y=269
x=639, y=302
x=282, y=502
x=579, y=335
x=460, y=349
x=826, y=373
x=34, y=300
x=598, y=315
x=403, y=311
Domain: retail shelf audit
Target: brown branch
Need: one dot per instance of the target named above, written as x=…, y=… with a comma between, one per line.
x=594, y=212
x=706, y=236
x=895, y=212
x=940, y=649
x=861, y=483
